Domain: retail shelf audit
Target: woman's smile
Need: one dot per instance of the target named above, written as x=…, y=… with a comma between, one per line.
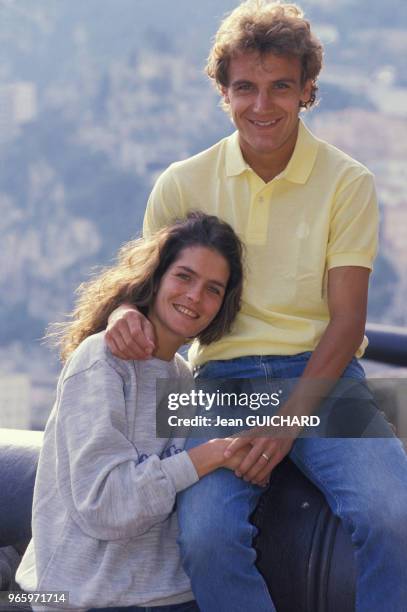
x=186, y=311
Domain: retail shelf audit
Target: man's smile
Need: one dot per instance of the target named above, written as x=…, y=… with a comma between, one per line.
x=261, y=124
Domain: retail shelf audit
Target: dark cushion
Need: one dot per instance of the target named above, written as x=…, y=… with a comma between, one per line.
x=303, y=552
x=19, y=452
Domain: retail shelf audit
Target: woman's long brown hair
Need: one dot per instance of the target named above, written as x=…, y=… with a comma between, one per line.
x=140, y=266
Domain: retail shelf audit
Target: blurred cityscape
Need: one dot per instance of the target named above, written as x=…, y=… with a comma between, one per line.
x=98, y=97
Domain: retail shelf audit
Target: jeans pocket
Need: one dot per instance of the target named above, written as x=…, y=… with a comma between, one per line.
x=188, y=606
x=354, y=370
x=222, y=368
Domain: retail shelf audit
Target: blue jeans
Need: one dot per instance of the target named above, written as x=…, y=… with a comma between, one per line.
x=363, y=480
x=189, y=606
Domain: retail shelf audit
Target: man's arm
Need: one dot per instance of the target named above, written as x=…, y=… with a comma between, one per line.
x=129, y=334
x=347, y=302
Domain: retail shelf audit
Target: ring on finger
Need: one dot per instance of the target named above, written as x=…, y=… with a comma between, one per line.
x=266, y=456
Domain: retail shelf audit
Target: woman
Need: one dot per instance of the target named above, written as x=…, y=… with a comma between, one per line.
x=104, y=527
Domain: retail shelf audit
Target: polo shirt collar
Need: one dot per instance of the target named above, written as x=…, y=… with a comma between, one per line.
x=303, y=158
x=235, y=163
x=298, y=168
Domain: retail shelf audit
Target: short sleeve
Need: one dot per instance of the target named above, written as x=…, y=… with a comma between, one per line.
x=353, y=234
x=165, y=203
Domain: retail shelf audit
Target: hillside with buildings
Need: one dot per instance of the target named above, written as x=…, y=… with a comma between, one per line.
x=97, y=98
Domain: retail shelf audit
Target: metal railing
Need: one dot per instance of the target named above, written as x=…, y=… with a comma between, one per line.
x=387, y=344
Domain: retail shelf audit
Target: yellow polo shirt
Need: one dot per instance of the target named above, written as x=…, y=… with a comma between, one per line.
x=319, y=213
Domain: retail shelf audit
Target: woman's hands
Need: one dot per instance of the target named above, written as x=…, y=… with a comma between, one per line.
x=129, y=334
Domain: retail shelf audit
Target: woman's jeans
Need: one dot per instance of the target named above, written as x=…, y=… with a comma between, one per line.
x=364, y=480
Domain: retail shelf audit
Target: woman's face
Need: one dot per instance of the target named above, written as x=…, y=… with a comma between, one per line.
x=190, y=294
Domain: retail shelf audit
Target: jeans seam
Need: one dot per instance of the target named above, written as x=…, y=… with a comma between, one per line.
x=265, y=370
x=320, y=480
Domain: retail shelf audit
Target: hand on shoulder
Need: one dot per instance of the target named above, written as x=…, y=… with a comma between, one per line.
x=129, y=334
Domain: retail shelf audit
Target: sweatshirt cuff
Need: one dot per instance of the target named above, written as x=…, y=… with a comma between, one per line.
x=180, y=470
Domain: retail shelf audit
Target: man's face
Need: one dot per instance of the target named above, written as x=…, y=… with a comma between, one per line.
x=264, y=93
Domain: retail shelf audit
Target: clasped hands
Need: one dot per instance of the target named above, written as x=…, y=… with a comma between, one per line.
x=266, y=447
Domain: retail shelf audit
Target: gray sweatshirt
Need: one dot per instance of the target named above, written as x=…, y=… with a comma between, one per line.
x=104, y=525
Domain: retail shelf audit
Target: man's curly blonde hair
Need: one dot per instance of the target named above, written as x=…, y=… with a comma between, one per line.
x=265, y=27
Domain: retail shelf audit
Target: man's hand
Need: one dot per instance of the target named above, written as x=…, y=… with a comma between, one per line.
x=210, y=456
x=235, y=461
x=129, y=334
x=266, y=452
x=238, y=457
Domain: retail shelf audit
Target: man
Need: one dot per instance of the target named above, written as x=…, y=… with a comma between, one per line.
x=308, y=215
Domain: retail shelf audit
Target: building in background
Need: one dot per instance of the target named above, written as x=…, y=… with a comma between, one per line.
x=15, y=408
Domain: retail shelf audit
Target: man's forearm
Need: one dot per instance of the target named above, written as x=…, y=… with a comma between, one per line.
x=335, y=350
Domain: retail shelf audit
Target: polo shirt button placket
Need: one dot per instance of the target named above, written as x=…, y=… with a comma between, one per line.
x=258, y=220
